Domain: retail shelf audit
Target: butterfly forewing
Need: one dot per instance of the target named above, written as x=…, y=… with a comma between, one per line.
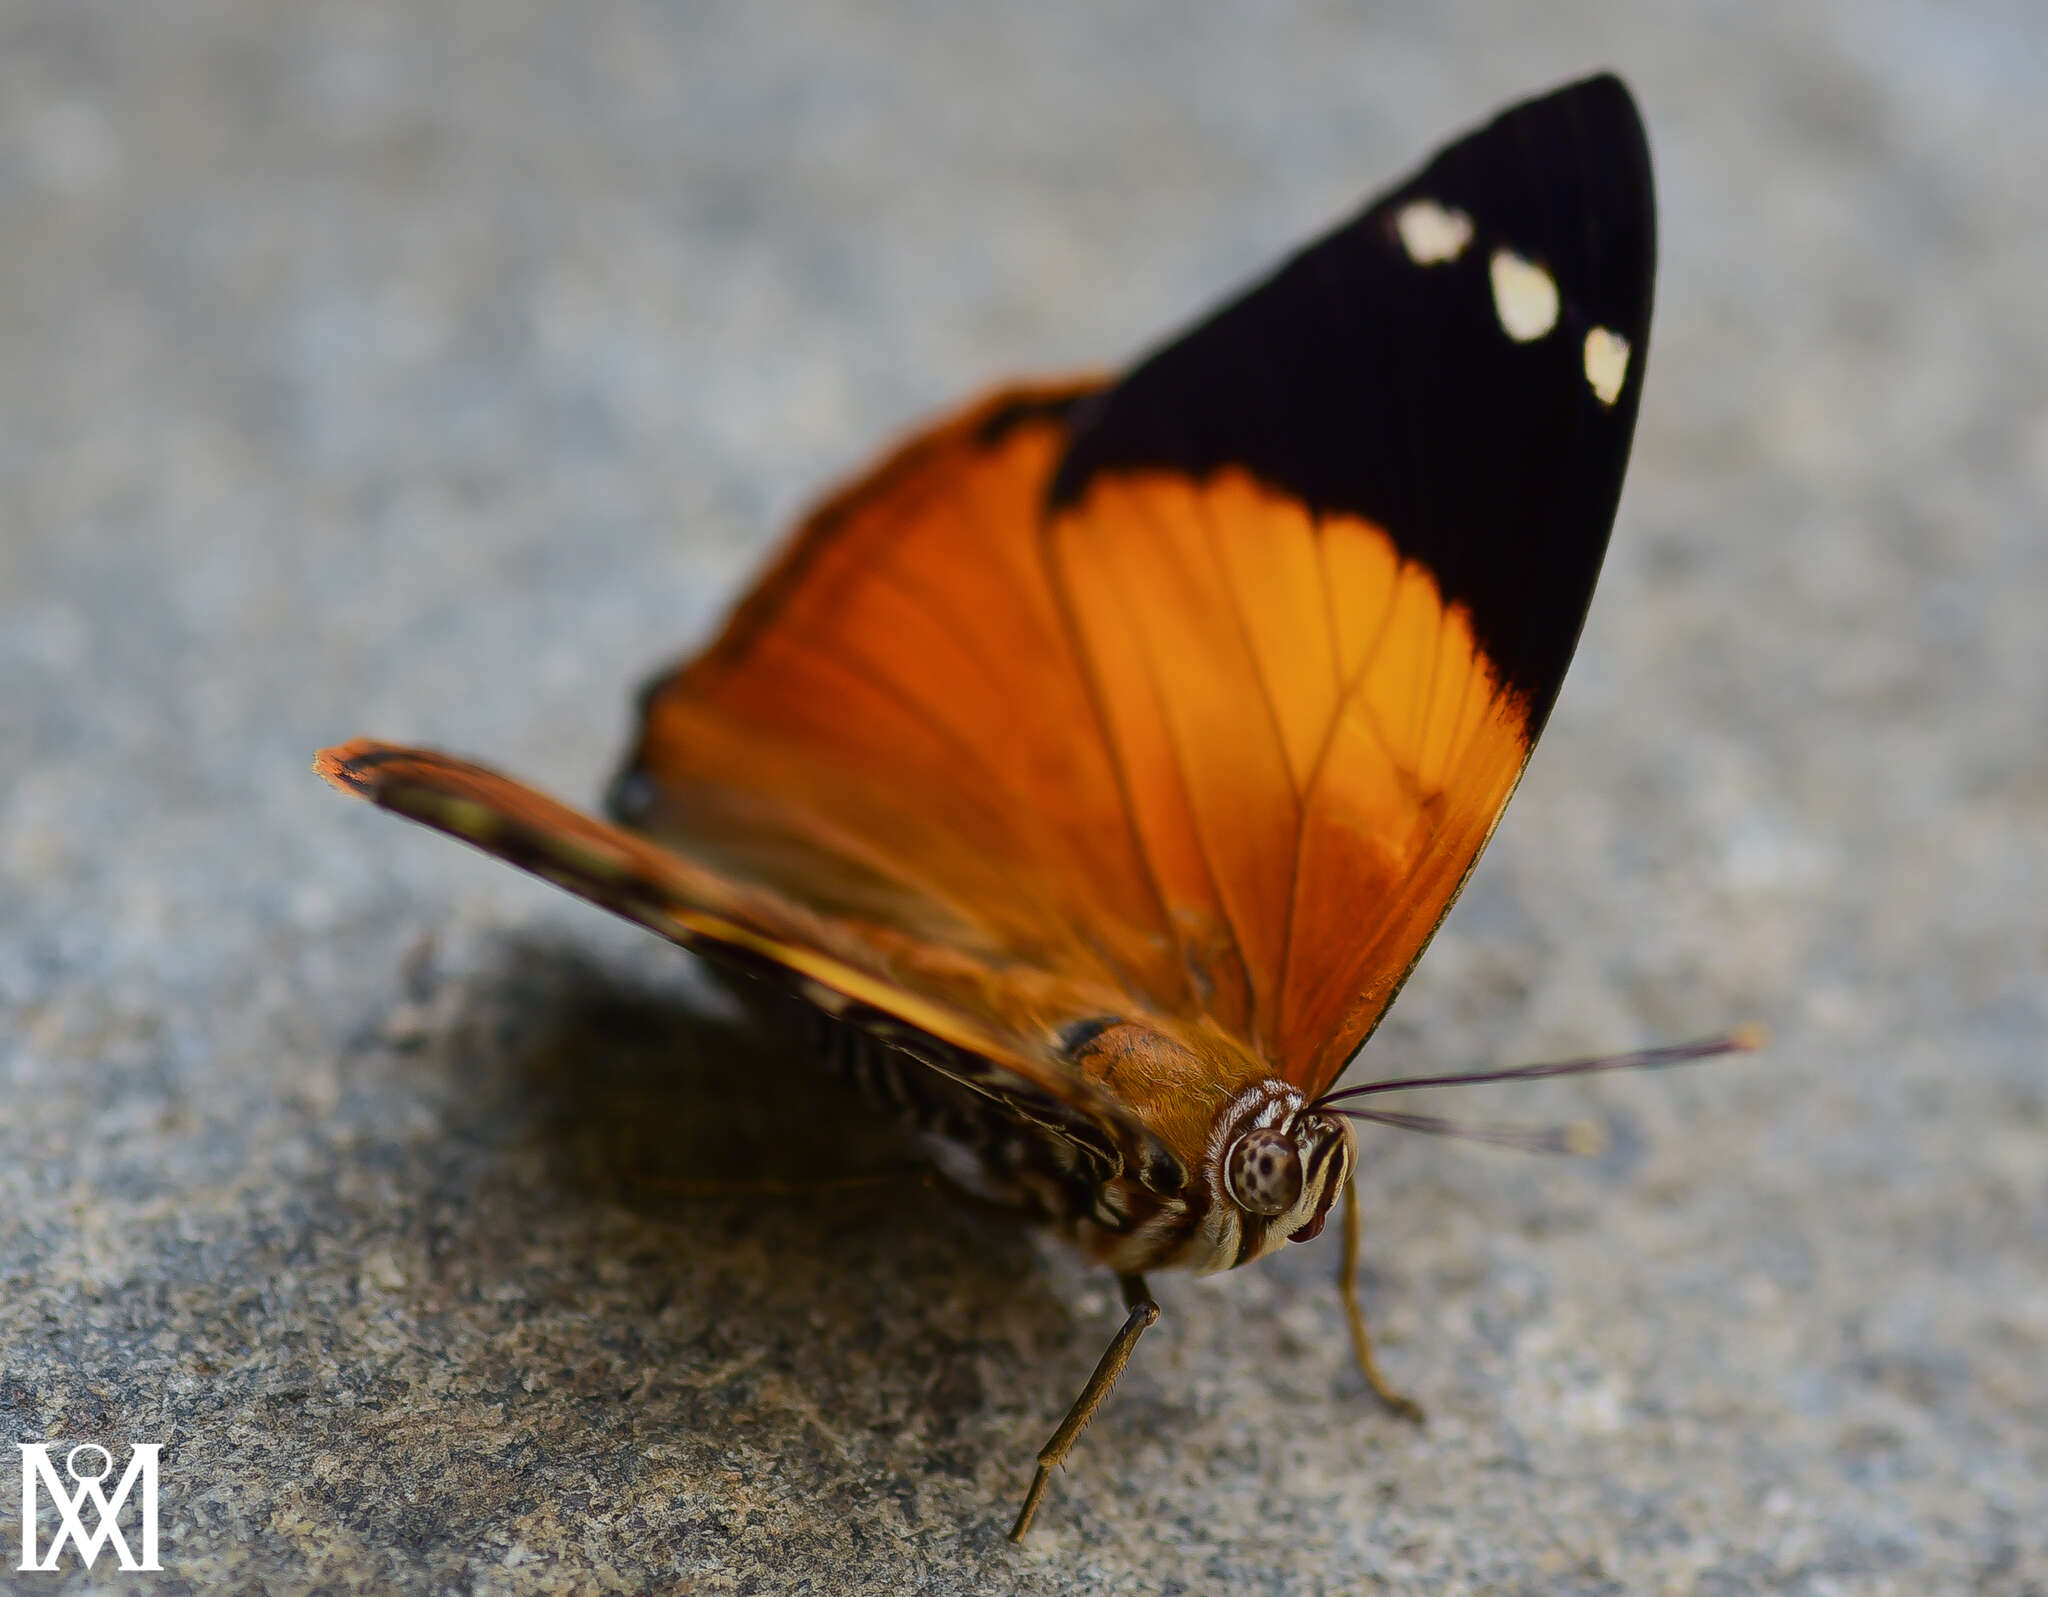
x=1210, y=685
x=1443, y=392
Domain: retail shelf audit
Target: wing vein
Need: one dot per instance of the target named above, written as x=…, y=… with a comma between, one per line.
x=1306, y=797
x=1182, y=773
x=1251, y=649
x=1076, y=642
x=1349, y=689
x=1322, y=543
x=1032, y=887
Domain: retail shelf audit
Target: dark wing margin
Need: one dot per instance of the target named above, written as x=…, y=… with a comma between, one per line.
x=1359, y=381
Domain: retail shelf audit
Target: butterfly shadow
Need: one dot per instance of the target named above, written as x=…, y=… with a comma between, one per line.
x=673, y=1230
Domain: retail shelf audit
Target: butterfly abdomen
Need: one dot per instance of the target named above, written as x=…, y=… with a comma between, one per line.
x=983, y=1144
x=977, y=1141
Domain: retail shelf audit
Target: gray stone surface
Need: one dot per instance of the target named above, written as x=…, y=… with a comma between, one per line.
x=435, y=371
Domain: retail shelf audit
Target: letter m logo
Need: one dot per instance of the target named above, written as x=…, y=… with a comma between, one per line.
x=38, y=1475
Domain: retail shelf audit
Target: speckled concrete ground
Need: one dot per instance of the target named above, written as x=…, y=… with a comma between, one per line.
x=435, y=371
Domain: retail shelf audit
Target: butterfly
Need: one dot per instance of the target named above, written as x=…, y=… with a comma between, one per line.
x=1089, y=775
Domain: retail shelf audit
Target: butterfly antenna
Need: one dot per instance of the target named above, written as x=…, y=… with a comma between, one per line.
x=1742, y=1040
x=1583, y=1138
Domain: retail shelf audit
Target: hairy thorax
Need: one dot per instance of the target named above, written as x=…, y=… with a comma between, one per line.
x=1263, y=1168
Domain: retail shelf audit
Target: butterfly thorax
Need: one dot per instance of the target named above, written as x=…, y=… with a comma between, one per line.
x=1262, y=1169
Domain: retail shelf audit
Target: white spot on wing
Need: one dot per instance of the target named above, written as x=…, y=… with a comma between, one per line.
x=1430, y=234
x=1606, y=363
x=1524, y=296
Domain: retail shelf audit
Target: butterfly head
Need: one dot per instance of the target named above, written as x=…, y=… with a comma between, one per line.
x=1274, y=1168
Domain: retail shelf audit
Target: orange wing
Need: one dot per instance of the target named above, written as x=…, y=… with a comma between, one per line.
x=895, y=725
x=1188, y=699
x=1197, y=696
x=1312, y=741
x=1179, y=752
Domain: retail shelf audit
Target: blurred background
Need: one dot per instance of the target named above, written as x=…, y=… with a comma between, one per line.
x=437, y=371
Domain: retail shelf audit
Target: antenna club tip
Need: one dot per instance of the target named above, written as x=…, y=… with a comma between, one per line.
x=1750, y=1039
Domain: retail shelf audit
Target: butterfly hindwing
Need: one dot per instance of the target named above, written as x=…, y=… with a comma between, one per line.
x=843, y=970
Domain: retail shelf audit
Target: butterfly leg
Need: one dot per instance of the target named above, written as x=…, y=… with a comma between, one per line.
x=1144, y=1313
x=1361, y=1342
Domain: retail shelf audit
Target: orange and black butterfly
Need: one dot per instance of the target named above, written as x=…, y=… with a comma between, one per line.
x=1092, y=772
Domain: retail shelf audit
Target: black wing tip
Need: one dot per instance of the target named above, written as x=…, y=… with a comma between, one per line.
x=1602, y=91
x=1600, y=105
x=1568, y=174
x=1365, y=378
x=1566, y=177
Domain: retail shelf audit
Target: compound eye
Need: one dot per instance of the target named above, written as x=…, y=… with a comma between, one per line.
x=1264, y=1172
